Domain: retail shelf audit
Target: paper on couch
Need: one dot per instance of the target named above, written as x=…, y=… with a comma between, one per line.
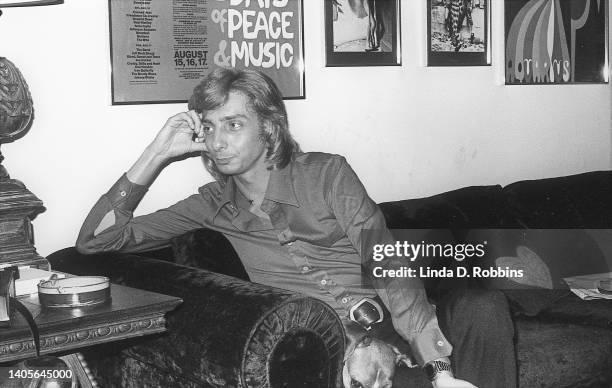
x=585, y=286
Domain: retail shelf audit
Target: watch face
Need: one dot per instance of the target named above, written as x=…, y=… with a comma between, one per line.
x=434, y=367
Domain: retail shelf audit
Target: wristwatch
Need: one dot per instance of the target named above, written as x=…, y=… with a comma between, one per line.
x=434, y=367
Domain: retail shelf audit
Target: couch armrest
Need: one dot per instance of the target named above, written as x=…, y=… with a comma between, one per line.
x=227, y=332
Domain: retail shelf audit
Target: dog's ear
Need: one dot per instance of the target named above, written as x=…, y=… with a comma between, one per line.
x=401, y=358
x=346, y=377
x=354, y=342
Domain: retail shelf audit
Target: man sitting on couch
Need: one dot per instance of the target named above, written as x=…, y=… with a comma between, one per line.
x=296, y=220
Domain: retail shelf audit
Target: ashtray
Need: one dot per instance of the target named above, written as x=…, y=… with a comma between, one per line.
x=605, y=286
x=77, y=291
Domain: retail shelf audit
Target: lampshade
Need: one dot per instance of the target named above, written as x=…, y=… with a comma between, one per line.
x=16, y=112
x=27, y=3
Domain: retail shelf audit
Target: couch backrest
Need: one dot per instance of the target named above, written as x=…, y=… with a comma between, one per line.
x=581, y=201
x=575, y=201
x=468, y=207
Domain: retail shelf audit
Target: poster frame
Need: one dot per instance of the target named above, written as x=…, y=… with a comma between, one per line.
x=461, y=58
x=354, y=59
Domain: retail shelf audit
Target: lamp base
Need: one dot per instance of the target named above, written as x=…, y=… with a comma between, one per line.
x=18, y=207
x=3, y=173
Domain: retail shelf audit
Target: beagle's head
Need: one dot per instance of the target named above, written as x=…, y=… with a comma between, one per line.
x=371, y=363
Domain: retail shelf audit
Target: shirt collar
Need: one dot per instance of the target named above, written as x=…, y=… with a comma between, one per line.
x=280, y=186
x=228, y=192
x=280, y=189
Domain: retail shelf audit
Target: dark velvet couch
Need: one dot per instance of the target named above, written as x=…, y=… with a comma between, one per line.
x=232, y=333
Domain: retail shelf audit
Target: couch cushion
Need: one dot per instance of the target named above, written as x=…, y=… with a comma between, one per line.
x=575, y=201
x=572, y=309
x=563, y=355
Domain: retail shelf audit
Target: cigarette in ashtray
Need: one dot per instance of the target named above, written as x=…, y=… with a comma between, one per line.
x=605, y=286
x=51, y=281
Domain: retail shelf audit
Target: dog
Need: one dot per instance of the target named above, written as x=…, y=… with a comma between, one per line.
x=370, y=362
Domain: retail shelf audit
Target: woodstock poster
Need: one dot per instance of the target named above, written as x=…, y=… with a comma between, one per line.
x=556, y=41
x=160, y=49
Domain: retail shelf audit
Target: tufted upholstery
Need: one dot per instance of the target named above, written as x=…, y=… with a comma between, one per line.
x=221, y=335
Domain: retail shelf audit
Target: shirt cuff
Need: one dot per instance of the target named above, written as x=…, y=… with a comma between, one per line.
x=430, y=344
x=126, y=195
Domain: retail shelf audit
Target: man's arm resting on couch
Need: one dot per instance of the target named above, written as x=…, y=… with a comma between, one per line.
x=109, y=225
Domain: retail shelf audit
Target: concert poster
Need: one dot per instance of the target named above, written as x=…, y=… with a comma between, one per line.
x=160, y=49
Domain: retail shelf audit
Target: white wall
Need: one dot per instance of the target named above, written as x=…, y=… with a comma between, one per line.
x=408, y=131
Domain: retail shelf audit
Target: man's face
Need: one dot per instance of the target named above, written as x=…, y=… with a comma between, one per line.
x=233, y=137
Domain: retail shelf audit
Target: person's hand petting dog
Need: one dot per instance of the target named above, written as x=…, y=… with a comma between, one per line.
x=446, y=380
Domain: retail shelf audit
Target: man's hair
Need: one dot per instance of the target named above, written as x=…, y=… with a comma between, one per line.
x=264, y=99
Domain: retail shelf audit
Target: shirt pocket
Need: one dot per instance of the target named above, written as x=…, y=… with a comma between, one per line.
x=315, y=228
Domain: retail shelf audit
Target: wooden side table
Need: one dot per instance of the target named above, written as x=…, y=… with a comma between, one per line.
x=131, y=313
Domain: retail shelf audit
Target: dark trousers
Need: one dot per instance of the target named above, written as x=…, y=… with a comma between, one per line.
x=479, y=326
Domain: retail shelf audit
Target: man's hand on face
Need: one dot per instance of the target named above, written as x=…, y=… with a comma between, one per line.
x=446, y=380
x=182, y=134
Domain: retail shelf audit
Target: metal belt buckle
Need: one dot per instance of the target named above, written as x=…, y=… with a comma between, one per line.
x=366, y=313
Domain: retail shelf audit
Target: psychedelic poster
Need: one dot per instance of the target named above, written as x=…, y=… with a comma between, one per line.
x=556, y=41
x=160, y=49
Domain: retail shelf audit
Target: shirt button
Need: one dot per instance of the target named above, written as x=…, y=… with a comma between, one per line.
x=305, y=268
x=122, y=193
x=440, y=343
x=345, y=300
x=323, y=282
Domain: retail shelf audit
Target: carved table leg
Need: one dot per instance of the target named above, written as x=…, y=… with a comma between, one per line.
x=80, y=370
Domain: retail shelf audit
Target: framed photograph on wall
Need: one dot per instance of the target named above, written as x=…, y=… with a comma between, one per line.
x=556, y=42
x=458, y=32
x=362, y=32
x=161, y=49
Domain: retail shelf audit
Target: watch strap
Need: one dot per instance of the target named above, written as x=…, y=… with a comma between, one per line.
x=434, y=367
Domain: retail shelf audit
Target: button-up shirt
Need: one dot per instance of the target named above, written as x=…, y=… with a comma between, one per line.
x=318, y=239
